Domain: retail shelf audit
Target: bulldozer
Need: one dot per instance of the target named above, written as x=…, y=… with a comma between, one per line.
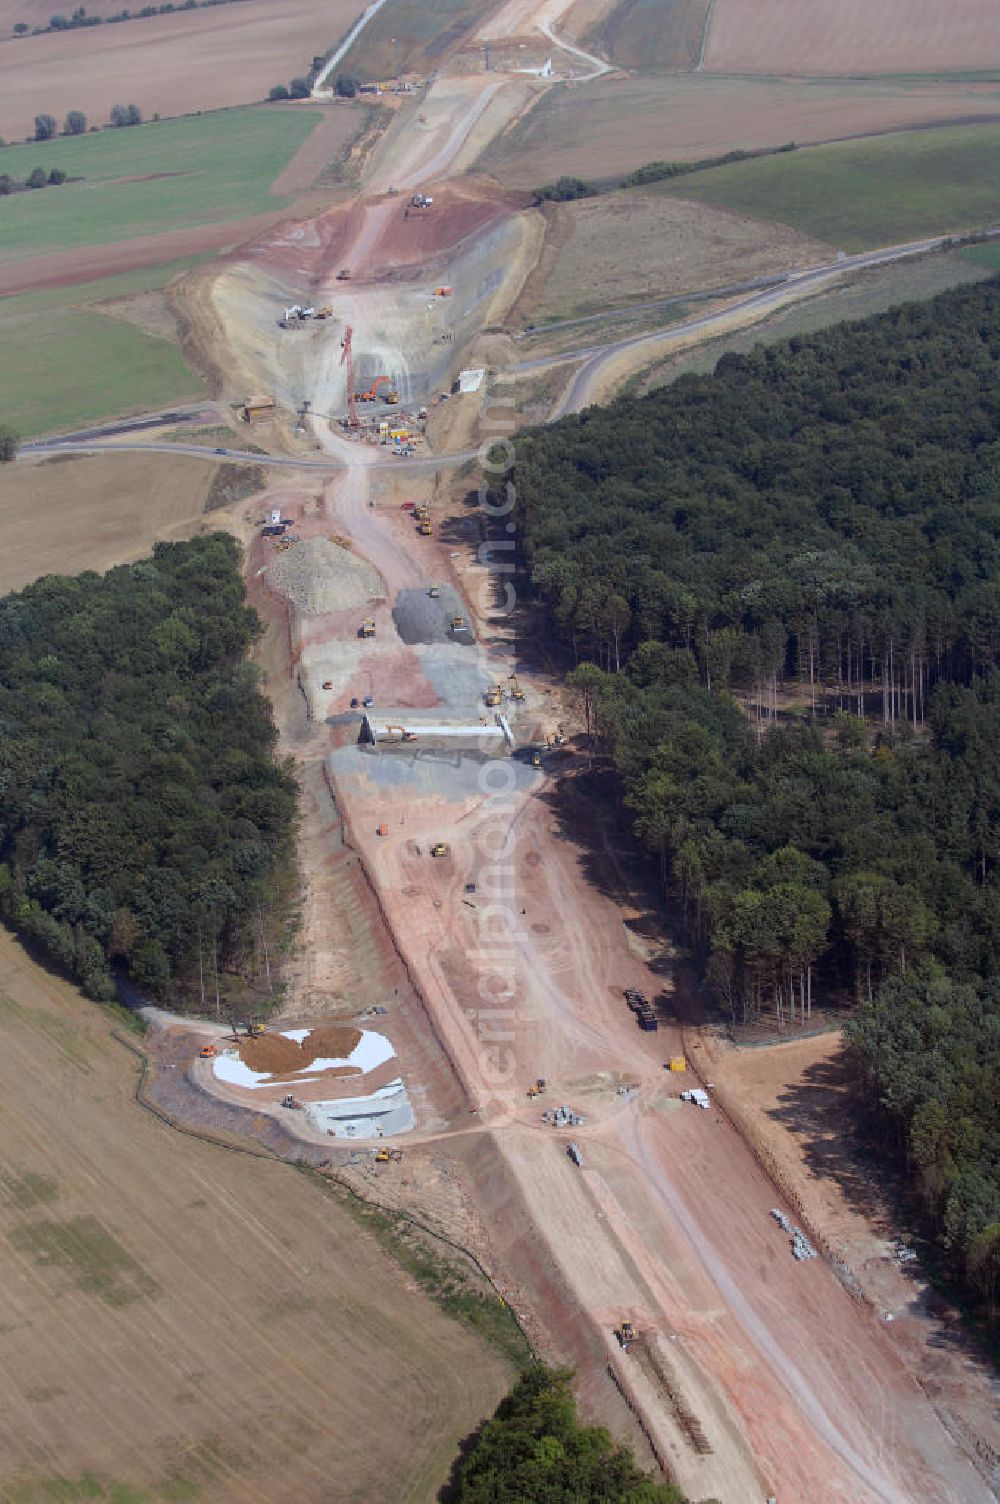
x=439, y=849
x=516, y=692
x=367, y=628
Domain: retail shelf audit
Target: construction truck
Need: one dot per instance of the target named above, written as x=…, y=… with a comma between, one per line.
x=458, y=624
x=677, y=1063
x=625, y=1335
x=434, y=592
x=326, y=312
x=254, y=1029
x=383, y=1156
x=344, y=275
x=420, y=201
x=439, y=849
x=536, y=759
x=537, y=1087
x=516, y=692
x=442, y=292
x=367, y=628
x=424, y=528
x=493, y=695
x=420, y=511
x=208, y=1052
x=292, y=1103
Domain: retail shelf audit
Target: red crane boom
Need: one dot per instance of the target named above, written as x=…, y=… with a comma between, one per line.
x=347, y=358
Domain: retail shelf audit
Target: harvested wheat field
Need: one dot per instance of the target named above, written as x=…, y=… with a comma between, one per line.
x=64, y=515
x=853, y=36
x=624, y=246
x=616, y=125
x=182, y=1322
x=173, y=64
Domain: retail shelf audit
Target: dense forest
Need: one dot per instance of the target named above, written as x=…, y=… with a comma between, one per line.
x=779, y=584
x=144, y=822
x=534, y=1451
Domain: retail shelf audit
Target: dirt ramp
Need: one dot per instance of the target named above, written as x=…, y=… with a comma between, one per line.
x=418, y=237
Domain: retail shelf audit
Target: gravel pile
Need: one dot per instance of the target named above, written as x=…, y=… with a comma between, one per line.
x=317, y=576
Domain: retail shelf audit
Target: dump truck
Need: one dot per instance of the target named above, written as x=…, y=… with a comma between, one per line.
x=648, y=1021
x=434, y=592
x=536, y=759
x=208, y=1051
x=367, y=628
x=493, y=695
x=516, y=692
x=424, y=528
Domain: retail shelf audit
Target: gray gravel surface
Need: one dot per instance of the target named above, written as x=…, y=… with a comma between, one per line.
x=319, y=576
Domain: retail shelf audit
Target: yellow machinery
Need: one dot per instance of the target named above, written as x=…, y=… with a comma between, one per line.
x=400, y=734
x=494, y=695
x=439, y=849
x=516, y=692
x=326, y=312
x=458, y=624
x=383, y=1156
x=424, y=527
x=367, y=628
x=536, y=759
x=420, y=511
x=678, y=1063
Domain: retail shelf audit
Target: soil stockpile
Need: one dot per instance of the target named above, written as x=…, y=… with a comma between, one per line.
x=318, y=576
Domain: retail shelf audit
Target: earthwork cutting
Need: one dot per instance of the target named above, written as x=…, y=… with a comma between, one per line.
x=473, y=1018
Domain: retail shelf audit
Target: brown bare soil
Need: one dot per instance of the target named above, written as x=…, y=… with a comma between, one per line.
x=810, y=36
x=793, y=1103
x=283, y=1057
x=174, y=64
x=65, y=515
x=178, y=1321
x=615, y=125
x=67, y=268
x=623, y=247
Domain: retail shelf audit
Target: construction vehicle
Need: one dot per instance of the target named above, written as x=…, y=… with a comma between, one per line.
x=383, y=1156
x=400, y=734
x=420, y=511
x=635, y=999
x=439, y=849
x=442, y=292
x=493, y=695
x=292, y=1103
x=372, y=391
x=344, y=275
x=458, y=624
x=434, y=592
x=327, y=683
x=367, y=628
x=254, y=1029
x=420, y=201
x=625, y=1335
x=208, y=1052
x=326, y=312
x=516, y=692
x=391, y=397
x=677, y=1063
x=648, y=1022
x=536, y=759
x=382, y=830
x=537, y=1087
x=424, y=528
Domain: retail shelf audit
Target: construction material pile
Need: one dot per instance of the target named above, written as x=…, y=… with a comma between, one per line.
x=317, y=577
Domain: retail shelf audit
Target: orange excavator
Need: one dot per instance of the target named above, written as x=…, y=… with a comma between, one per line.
x=372, y=392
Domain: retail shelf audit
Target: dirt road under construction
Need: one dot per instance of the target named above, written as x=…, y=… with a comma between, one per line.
x=754, y=1375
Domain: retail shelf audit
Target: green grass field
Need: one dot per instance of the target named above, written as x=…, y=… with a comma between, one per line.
x=202, y=169
x=67, y=364
x=857, y=194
